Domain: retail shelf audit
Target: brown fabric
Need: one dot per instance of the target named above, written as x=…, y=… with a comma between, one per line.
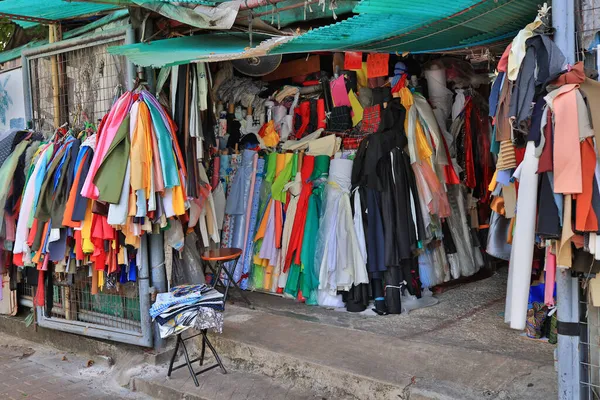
x=591, y=89
x=545, y=163
x=503, y=126
x=575, y=75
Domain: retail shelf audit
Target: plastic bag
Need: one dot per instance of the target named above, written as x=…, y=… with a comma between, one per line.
x=187, y=264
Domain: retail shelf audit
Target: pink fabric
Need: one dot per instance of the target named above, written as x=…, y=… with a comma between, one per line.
x=339, y=94
x=567, y=154
x=115, y=118
x=550, y=278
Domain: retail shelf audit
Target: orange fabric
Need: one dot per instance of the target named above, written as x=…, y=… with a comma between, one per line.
x=32, y=232
x=68, y=216
x=37, y=257
x=262, y=228
x=567, y=154
x=585, y=217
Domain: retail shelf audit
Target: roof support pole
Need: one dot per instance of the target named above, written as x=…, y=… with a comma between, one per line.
x=53, y=37
x=567, y=290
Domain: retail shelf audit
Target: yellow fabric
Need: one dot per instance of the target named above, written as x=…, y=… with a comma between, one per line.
x=178, y=200
x=493, y=182
x=86, y=231
x=357, y=109
x=406, y=99
x=121, y=256
x=100, y=279
x=361, y=76
x=269, y=135
x=141, y=151
x=518, y=48
x=423, y=148
x=280, y=164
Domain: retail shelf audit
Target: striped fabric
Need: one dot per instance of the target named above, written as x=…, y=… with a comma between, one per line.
x=506, y=157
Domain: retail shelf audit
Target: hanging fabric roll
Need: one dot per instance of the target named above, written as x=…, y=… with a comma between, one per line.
x=522, y=249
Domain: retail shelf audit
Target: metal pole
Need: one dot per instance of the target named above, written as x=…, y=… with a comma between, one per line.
x=130, y=68
x=27, y=90
x=54, y=68
x=159, y=276
x=563, y=21
x=144, y=288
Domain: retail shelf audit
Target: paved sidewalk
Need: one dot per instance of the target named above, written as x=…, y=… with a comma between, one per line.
x=33, y=371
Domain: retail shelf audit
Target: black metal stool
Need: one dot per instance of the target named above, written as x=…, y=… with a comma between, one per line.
x=220, y=256
x=188, y=362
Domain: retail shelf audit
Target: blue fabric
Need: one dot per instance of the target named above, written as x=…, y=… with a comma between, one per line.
x=249, y=254
x=495, y=93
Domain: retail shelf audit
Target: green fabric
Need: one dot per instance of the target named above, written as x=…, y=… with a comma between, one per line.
x=293, y=281
x=111, y=172
x=321, y=167
x=6, y=174
x=44, y=205
x=294, y=164
x=310, y=274
x=271, y=167
x=277, y=190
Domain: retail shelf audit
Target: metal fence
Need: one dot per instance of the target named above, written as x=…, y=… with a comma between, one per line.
x=74, y=82
x=88, y=80
x=589, y=345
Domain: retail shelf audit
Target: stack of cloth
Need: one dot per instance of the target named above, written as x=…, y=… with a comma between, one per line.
x=188, y=306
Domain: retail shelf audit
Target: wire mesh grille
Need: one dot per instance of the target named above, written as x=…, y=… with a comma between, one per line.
x=82, y=90
x=589, y=347
x=116, y=305
x=89, y=79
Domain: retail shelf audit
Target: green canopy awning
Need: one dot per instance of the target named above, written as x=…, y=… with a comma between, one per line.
x=48, y=11
x=417, y=26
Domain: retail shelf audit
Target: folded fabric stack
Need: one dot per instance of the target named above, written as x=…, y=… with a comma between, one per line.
x=187, y=306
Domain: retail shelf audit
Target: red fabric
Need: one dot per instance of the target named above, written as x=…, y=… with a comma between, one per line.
x=40, y=294
x=321, y=117
x=585, y=217
x=78, y=245
x=450, y=175
x=483, y=147
x=503, y=63
x=545, y=163
x=295, y=245
x=303, y=113
x=371, y=119
x=470, y=179
x=351, y=143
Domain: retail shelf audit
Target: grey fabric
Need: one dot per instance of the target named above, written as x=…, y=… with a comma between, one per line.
x=5, y=146
x=543, y=62
x=497, y=245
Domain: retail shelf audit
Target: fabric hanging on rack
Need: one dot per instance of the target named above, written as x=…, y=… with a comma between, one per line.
x=249, y=254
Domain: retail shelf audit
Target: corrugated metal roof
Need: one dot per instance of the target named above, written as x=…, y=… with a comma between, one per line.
x=183, y=50
x=16, y=52
x=112, y=17
x=49, y=10
x=82, y=31
x=417, y=26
